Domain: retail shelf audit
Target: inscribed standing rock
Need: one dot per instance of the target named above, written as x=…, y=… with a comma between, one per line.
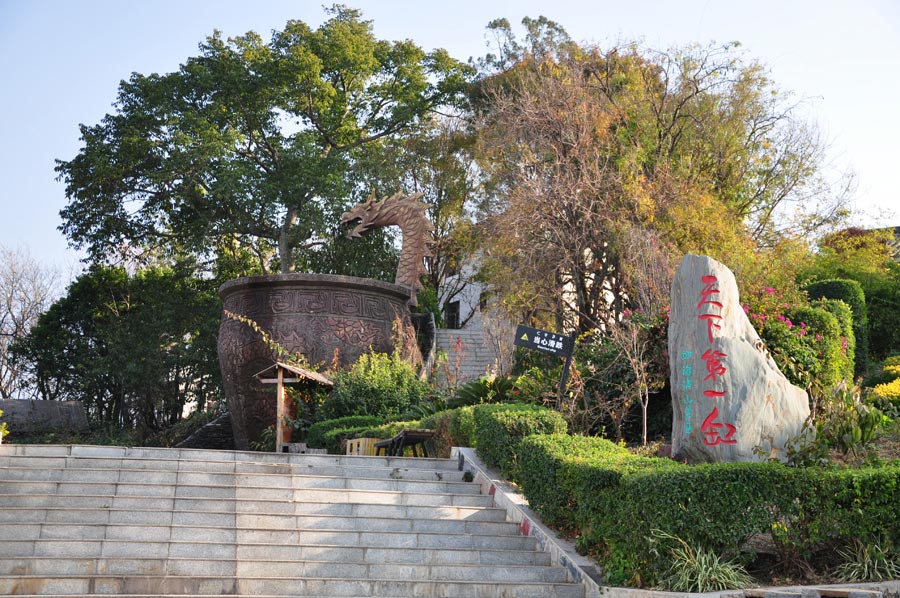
x=728, y=396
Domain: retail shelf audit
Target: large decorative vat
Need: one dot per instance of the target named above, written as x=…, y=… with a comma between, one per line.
x=318, y=315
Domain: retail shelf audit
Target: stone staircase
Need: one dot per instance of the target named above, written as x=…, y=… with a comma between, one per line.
x=84, y=521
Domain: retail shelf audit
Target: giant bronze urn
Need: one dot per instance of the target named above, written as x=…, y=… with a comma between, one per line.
x=318, y=315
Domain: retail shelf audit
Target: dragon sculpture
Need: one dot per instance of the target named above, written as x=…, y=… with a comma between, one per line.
x=407, y=212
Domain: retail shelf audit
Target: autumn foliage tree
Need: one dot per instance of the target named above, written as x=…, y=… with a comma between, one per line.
x=605, y=166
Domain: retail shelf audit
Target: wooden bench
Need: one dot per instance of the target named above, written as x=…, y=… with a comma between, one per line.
x=394, y=447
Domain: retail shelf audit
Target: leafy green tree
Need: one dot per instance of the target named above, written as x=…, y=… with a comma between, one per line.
x=249, y=142
x=134, y=348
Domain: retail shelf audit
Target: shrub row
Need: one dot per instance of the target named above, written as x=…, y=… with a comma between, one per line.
x=497, y=428
x=614, y=500
x=315, y=438
x=452, y=427
x=500, y=428
x=851, y=293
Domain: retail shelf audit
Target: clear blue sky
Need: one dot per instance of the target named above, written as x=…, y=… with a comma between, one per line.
x=61, y=62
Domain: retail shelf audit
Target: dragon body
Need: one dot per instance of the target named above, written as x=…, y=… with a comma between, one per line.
x=407, y=212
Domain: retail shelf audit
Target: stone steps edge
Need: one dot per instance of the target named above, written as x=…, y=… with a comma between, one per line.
x=203, y=455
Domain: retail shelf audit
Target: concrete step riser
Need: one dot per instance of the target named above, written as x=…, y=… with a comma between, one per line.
x=288, y=569
x=17, y=558
x=196, y=484
x=282, y=587
x=228, y=467
x=188, y=455
x=225, y=548
x=207, y=525
x=285, y=504
x=14, y=513
x=61, y=510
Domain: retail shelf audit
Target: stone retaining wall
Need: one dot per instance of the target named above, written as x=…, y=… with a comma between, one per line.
x=27, y=416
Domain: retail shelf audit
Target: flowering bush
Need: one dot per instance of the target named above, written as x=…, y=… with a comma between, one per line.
x=813, y=345
x=889, y=378
x=889, y=392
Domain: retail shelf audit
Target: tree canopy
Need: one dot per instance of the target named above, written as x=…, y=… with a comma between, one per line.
x=605, y=165
x=249, y=142
x=134, y=348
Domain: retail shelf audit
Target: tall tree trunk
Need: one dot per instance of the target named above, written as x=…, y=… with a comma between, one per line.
x=284, y=241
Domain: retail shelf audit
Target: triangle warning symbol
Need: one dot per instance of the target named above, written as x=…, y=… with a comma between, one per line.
x=524, y=337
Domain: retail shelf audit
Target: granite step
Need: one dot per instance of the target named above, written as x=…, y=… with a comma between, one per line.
x=85, y=479
x=276, y=586
x=148, y=455
x=215, y=525
x=13, y=511
x=331, y=569
x=355, y=469
x=91, y=521
x=243, y=501
x=225, y=545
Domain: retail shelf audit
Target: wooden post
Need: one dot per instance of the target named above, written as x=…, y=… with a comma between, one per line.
x=565, y=372
x=279, y=410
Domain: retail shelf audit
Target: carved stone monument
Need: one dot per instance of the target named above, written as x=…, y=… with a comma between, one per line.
x=728, y=396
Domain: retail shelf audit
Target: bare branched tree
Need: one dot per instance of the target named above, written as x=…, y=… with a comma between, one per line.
x=26, y=290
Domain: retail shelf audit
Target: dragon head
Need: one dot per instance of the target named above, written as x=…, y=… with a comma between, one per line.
x=366, y=213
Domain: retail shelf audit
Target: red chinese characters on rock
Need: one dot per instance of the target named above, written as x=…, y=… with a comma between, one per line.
x=712, y=319
x=715, y=366
x=712, y=430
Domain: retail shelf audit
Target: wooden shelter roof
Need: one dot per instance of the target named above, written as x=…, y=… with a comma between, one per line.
x=268, y=375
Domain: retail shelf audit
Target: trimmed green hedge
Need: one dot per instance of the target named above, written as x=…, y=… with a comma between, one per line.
x=615, y=500
x=315, y=438
x=334, y=439
x=546, y=462
x=500, y=428
x=844, y=315
x=452, y=427
x=389, y=429
x=851, y=293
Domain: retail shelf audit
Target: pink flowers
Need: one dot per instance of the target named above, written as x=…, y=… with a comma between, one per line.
x=787, y=322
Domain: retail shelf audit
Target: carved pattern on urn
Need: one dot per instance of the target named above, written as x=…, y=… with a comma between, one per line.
x=311, y=314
